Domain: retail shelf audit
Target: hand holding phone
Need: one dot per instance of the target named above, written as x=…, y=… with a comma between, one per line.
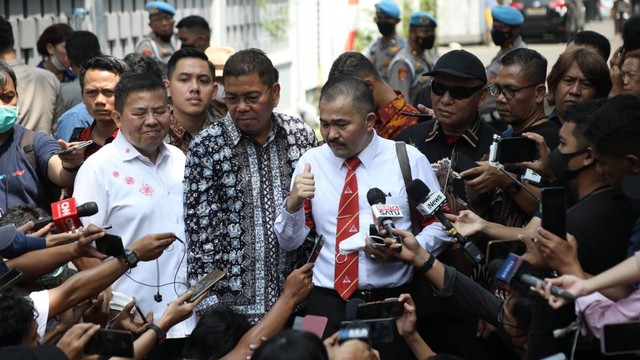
x=515, y=150
x=74, y=147
x=205, y=284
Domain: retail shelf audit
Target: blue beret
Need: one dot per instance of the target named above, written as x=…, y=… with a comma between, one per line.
x=507, y=15
x=422, y=18
x=158, y=7
x=389, y=7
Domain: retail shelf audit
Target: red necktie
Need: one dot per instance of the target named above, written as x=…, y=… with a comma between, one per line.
x=346, y=272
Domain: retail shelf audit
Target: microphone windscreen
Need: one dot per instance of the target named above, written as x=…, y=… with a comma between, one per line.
x=418, y=190
x=352, y=308
x=88, y=209
x=376, y=196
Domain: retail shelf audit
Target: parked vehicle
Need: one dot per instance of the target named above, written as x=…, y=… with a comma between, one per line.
x=551, y=18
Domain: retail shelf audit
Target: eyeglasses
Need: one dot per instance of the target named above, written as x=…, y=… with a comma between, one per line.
x=508, y=91
x=502, y=321
x=456, y=92
x=231, y=99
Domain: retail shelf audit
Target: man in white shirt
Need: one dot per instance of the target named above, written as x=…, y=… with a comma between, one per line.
x=137, y=183
x=347, y=116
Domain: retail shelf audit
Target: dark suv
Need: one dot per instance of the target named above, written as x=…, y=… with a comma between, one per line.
x=557, y=18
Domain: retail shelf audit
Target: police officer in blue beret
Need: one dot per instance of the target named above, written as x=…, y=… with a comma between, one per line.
x=383, y=49
x=158, y=43
x=407, y=67
x=504, y=33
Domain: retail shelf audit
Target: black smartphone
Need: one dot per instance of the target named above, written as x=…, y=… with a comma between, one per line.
x=621, y=338
x=375, y=332
x=461, y=162
x=74, y=147
x=553, y=207
x=515, y=150
x=205, y=284
x=110, y=245
x=389, y=308
x=110, y=343
x=316, y=250
x=9, y=278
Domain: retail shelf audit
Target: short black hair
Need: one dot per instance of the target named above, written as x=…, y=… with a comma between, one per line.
x=631, y=33
x=578, y=114
x=54, y=35
x=532, y=64
x=189, y=52
x=615, y=128
x=292, y=344
x=81, y=46
x=139, y=63
x=195, y=22
x=522, y=309
x=22, y=214
x=6, y=69
x=593, y=39
x=103, y=62
x=16, y=316
x=355, y=64
x=7, y=41
x=218, y=331
x=130, y=83
x=249, y=61
x=352, y=88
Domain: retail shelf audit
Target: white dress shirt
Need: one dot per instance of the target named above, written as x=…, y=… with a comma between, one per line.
x=379, y=168
x=138, y=197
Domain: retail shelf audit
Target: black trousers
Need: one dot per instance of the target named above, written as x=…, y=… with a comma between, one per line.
x=326, y=302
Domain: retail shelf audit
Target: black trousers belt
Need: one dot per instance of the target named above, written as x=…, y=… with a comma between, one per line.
x=373, y=294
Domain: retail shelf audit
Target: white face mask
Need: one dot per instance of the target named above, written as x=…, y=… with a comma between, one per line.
x=220, y=93
x=57, y=63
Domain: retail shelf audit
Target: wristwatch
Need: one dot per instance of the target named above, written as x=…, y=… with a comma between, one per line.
x=428, y=264
x=161, y=335
x=130, y=258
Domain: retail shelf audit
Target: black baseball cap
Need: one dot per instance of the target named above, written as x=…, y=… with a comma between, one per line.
x=460, y=63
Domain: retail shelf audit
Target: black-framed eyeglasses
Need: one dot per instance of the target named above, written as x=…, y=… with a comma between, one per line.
x=508, y=91
x=521, y=331
x=456, y=92
x=252, y=99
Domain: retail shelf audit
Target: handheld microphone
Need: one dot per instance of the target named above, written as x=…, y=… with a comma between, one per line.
x=512, y=268
x=66, y=215
x=430, y=205
x=383, y=214
x=352, y=308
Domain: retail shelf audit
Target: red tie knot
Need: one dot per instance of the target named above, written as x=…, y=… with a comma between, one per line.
x=352, y=163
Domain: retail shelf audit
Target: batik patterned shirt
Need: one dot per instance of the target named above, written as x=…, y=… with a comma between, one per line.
x=233, y=188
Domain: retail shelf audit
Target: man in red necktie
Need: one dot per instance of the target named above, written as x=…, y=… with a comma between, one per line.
x=328, y=193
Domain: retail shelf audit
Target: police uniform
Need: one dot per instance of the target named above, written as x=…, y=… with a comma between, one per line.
x=381, y=51
x=148, y=45
x=406, y=69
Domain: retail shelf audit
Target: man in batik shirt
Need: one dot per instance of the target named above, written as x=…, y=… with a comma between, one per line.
x=238, y=172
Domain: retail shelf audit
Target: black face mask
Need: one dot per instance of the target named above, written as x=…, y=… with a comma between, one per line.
x=500, y=37
x=186, y=46
x=426, y=42
x=386, y=28
x=165, y=38
x=559, y=163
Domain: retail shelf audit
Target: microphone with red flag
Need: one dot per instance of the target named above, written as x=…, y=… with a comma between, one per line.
x=66, y=215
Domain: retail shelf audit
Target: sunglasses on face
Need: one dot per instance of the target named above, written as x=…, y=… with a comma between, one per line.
x=456, y=92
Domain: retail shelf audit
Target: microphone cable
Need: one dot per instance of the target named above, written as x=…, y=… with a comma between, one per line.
x=158, y=296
